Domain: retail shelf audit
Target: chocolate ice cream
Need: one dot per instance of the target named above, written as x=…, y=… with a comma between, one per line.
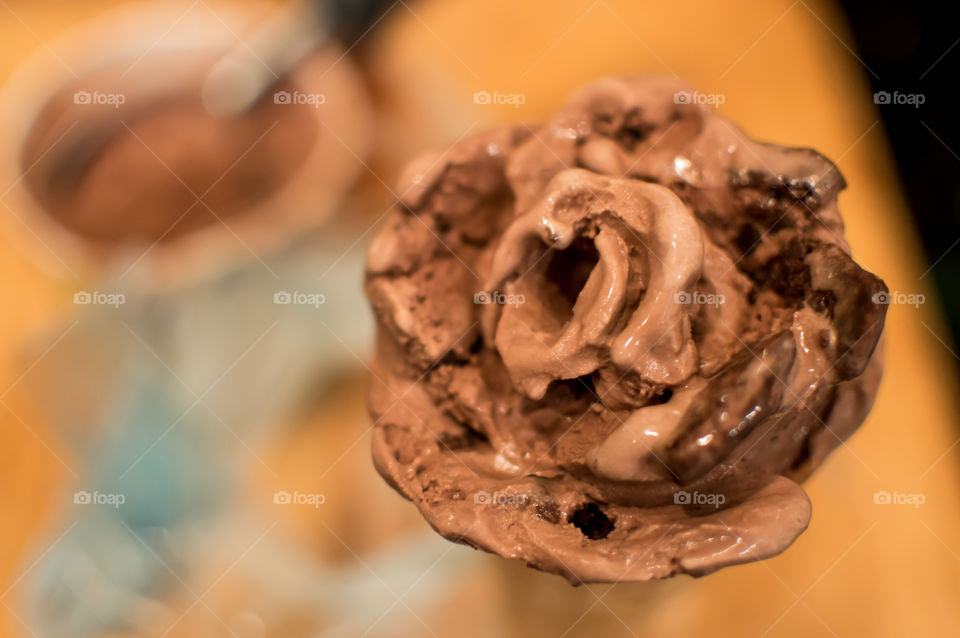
x=123, y=156
x=135, y=171
x=611, y=346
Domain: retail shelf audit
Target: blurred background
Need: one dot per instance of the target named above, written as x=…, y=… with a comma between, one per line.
x=186, y=193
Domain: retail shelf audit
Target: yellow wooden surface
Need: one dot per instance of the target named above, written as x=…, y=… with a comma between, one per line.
x=860, y=570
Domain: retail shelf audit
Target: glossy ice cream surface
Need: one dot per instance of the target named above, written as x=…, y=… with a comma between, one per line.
x=612, y=345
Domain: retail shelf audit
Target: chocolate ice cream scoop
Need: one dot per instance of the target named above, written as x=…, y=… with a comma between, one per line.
x=119, y=167
x=159, y=167
x=612, y=345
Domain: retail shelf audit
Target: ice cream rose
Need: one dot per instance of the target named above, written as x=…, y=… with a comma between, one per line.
x=612, y=345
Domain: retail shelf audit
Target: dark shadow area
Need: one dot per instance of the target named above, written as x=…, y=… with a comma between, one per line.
x=912, y=51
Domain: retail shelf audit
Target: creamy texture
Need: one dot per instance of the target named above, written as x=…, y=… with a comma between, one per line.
x=625, y=219
x=612, y=345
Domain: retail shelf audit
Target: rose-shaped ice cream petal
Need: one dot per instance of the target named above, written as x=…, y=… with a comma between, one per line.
x=612, y=344
x=639, y=231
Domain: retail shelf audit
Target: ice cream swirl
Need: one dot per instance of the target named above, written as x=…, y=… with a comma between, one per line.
x=610, y=318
